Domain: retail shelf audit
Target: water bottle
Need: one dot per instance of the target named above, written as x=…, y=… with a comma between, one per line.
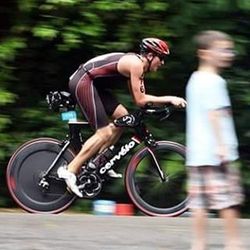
x=102, y=158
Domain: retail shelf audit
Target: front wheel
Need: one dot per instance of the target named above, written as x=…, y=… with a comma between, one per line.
x=149, y=192
x=25, y=170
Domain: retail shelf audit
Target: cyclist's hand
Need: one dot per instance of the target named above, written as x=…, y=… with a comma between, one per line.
x=178, y=102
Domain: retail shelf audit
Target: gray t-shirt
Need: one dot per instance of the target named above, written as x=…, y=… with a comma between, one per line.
x=206, y=92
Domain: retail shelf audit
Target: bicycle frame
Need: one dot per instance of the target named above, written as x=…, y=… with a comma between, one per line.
x=75, y=140
x=133, y=120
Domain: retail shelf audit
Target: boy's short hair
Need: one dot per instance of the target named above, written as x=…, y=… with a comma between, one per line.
x=205, y=39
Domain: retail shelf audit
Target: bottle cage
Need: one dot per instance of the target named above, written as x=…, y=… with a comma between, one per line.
x=60, y=101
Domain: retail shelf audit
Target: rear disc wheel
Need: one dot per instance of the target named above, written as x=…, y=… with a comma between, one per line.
x=24, y=173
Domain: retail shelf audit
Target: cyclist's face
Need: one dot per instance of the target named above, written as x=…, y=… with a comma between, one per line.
x=157, y=62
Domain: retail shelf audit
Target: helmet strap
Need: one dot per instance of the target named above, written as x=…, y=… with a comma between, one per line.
x=149, y=63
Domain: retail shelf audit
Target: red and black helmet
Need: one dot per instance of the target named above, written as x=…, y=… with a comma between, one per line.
x=154, y=45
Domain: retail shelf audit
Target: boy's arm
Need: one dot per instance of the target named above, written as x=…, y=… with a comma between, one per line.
x=215, y=117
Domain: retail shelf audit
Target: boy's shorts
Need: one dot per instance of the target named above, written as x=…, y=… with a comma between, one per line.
x=214, y=187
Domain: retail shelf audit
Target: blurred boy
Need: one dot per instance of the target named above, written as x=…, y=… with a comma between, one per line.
x=214, y=181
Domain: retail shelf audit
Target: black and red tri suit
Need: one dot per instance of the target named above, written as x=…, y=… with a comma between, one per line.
x=91, y=86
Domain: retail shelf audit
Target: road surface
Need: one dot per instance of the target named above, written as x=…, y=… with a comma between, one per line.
x=23, y=231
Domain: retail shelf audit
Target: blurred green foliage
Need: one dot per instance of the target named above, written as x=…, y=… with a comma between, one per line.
x=42, y=42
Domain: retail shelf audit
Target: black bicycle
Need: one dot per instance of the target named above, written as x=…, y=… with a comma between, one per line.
x=155, y=177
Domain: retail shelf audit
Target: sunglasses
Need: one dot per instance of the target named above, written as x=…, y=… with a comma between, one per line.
x=162, y=58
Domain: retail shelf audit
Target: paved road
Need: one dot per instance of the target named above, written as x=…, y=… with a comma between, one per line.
x=23, y=231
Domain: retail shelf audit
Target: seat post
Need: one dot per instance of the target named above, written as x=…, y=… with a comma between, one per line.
x=75, y=133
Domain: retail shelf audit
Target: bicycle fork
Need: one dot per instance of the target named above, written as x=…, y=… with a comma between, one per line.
x=161, y=174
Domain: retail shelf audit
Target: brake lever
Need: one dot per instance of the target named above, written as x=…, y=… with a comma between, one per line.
x=169, y=111
x=166, y=114
x=164, y=117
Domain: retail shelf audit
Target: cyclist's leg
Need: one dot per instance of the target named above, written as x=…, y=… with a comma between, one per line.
x=115, y=110
x=117, y=132
x=96, y=103
x=91, y=104
x=119, y=112
x=87, y=97
x=90, y=148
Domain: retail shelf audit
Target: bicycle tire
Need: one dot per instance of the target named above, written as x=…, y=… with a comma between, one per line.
x=24, y=172
x=145, y=188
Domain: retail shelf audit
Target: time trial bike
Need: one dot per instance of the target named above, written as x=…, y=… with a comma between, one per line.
x=155, y=177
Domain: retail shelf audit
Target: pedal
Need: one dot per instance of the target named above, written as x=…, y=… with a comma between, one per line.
x=44, y=184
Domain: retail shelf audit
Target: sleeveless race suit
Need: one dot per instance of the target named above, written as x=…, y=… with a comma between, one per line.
x=90, y=85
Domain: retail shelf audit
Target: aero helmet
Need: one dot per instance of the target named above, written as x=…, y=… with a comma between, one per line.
x=154, y=45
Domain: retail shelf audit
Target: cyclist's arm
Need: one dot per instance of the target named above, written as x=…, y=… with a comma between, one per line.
x=138, y=90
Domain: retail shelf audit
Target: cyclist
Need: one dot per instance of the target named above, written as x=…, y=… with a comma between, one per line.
x=91, y=86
